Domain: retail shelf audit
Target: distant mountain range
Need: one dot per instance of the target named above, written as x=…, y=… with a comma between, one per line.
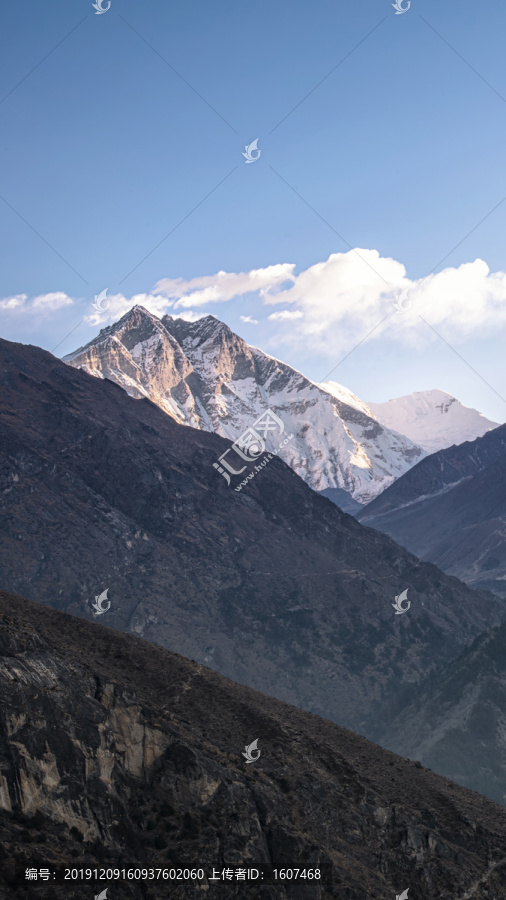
x=432, y=419
x=273, y=586
x=203, y=375
x=451, y=509
x=117, y=753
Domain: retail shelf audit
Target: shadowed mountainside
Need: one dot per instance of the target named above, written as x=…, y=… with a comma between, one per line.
x=451, y=509
x=274, y=587
x=455, y=721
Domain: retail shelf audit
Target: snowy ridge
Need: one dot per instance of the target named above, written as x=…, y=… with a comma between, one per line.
x=346, y=396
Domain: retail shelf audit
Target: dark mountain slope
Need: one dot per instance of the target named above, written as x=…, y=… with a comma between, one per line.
x=451, y=509
x=274, y=586
x=456, y=721
x=343, y=500
x=439, y=471
x=118, y=753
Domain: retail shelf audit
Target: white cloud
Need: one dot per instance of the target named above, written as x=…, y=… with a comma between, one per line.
x=51, y=302
x=17, y=302
x=345, y=297
x=249, y=320
x=285, y=314
x=43, y=303
x=189, y=315
x=329, y=307
x=224, y=285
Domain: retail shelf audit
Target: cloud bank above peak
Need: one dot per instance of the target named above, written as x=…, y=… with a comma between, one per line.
x=224, y=285
x=326, y=308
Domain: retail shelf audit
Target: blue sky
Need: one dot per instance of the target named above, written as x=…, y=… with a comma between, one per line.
x=133, y=125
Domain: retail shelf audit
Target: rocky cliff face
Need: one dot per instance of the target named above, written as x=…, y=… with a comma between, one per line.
x=451, y=509
x=139, y=354
x=118, y=753
x=204, y=375
x=273, y=586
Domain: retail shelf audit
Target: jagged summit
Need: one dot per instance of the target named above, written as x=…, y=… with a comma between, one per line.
x=139, y=310
x=134, y=317
x=204, y=323
x=203, y=374
x=200, y=331
x=140, y=354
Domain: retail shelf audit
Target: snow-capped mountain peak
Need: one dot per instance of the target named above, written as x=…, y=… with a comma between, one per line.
x=204, y=375
x=140, y=355
x=433, y=419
